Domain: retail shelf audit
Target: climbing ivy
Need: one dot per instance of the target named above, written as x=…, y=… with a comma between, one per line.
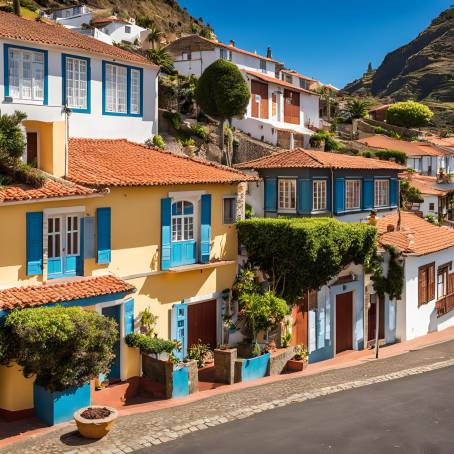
x=305, y=253
x=393, y=282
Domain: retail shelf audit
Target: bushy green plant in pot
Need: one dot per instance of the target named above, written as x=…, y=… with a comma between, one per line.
x=63, y=348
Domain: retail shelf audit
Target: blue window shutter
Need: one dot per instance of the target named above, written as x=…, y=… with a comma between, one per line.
x=80, y=257
x=205, y=228
x=339, y=195
x=89, y=238
x=104, y=235
x=270, y=194
x=393, y=191
x=304, y=195
x=34, y=243
x=128, y=309
x=368, y=193
x=166, y=232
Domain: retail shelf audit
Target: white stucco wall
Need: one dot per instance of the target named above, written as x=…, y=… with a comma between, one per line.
x=255, y=196
x=76, y=20
x=425, y=205
x=93, y=124
x=414, y=321
x=116, y=30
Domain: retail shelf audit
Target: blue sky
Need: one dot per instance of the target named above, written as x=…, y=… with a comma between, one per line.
x=331, y=40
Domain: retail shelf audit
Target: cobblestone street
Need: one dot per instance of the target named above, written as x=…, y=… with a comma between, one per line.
x=137, y=431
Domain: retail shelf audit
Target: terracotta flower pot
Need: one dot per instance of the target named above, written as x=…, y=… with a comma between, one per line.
x=95, y=428
x=296, y=365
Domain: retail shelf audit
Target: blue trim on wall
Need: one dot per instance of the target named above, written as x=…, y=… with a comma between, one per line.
x=6, y=47
x=63, y=78
x=128, y=91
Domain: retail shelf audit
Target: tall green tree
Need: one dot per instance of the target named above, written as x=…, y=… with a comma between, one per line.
x=222, y=93
x=162, y=58
x=409, y=114
x=12, y=138
x=154, y=35
x=357, y=108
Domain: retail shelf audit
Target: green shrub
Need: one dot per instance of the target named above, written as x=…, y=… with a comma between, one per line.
x=331, y=144
x=174, y=118
x=63, y=346
x=186, y=141
x=153, y=345
x=387, y=155
x=158, y=142
x=199, y=352
x=409, y=114
x=199, y=131
x=387, y=132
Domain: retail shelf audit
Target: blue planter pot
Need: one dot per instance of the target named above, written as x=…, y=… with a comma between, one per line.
x=254, y=368
x=180, y=380
x=57, y=407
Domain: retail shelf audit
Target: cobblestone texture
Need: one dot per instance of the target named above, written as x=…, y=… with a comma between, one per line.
x=153, y=428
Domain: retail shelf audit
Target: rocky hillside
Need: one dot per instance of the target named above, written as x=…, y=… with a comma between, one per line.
x=422, y=70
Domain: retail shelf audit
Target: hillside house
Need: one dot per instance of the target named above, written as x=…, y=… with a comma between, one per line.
x=120, y=30
x=72, y=16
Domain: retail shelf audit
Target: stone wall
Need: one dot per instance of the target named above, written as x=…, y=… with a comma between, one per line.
x=249, y=149
x=224, y=365
x=278, y=360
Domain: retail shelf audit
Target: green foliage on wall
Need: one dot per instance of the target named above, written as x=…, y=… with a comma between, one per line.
x=153, y=345
x=409, y=114
x=393, y=283
x=305, y=253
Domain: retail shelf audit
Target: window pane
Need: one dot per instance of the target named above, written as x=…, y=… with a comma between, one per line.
x=135, y=91
x=76, y=83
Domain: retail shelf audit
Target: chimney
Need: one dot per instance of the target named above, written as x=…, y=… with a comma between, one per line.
x=390, y=228
x=269, y=53
x=232, y=43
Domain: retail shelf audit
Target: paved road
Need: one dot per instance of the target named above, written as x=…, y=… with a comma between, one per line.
x=413, y=415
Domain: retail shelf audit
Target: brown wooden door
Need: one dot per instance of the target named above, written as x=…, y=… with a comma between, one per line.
x=300, y=322
x=202, y=323
x=344, y=322
x=32, y=148
x=371, y=321
x=292, y=107
x=259, y=109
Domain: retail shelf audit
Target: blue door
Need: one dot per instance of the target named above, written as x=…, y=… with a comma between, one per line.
x=180, y=328
x=114, y=312
x=63, y=245
x=184, y=248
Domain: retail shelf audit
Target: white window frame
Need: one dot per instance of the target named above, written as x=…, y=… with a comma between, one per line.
x=289, y=188
x=185, y=220
x=319, y=193
x=63, y=234
x=35, y=85
x=134, y=98
x=70, y=233
x=76, y=83
x=52, y=236
x=355, y=185
x=229, y=197
x=116, y=77
x=262, y=65
x=381, y=199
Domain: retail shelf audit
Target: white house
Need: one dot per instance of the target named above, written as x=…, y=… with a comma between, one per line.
x=72, y=16
x=120, y=30
x=426, y=252
x=279, y=112
x=109, y=92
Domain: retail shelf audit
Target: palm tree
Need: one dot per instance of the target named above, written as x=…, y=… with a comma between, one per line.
x=162, y=58
x=357, y=108
x=154, y=35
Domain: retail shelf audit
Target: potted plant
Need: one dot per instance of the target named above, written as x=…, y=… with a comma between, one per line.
x=95, y=421
x=63, y=348
x=148, y=322
x=200, y=352
x=299, y=361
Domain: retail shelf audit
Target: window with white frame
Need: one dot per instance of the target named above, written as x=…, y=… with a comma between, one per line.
x=182, y=221
x=54, y=231
x=116, y=88
x=127, y=29
x=262, y=65
x=72, y=235
x=76, y=72
x=229, y=210
x=319, y=195
x=225, y=54
x=26, y=74
x=352, y=194
x=287, y=194
x=381, y=193
x=135, y=91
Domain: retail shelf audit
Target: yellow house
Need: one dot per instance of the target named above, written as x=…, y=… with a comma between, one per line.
x=129, y=228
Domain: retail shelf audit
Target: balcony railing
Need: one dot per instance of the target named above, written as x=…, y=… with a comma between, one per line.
x=445, y=304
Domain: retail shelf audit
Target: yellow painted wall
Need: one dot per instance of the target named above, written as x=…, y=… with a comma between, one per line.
x=16, y=391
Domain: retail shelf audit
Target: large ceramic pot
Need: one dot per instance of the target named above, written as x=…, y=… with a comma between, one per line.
x=296, y=365
x=95, y=428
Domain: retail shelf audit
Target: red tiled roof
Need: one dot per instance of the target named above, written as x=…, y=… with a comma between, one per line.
x=409, y=148
x=297, y=74
x=108, y=20
x=301, y=158
x=279, y=82
x=416, y=235
x=428, y=185
x=51, y=188
x=441, y=141
x=103, y=162
x=37, y=295
x=19, y=29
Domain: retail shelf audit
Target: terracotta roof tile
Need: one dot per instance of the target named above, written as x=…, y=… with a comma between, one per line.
x=52, y=188
x=19, y=29
x=441, y=141
x=428, y=185
x=99, y=162
x=301, y=158
x=416, y=235
x=409, y=148
x=279, y=82
x=75, y=289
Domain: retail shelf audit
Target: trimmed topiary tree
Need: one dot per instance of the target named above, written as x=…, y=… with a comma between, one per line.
x=409, y=114
x=222, y=93
x=64, y=347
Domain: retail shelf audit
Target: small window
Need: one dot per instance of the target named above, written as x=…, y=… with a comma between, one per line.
x=54, y=237
x=303, y=84
x=442, y=281
x=127, y=29
x=381, y=193
x=431, y=206
x=186, y=56
x=426, y=284
x=352, y=194
x=72, y=235
x=319, y=195
x=229, y=210
x=76, y=82
x=287, y=194
x=263, y=65
x=226, y=54
x=289, y=78
x=182, y=221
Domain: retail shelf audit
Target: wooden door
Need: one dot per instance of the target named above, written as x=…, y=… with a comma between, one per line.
x=344, y=322
x=202, y=323
x=32, y=148
x=259, y=96
x=372, y=319
x=300, y=321
x=291, y=107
